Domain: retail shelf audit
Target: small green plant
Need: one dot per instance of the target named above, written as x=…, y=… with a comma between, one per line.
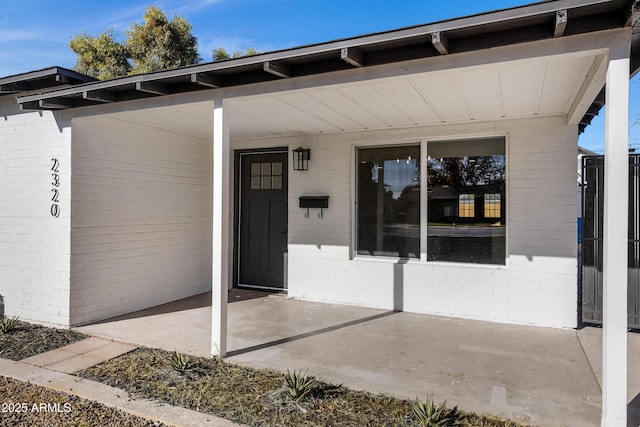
x=430, y=414
x=182, y=364
x=298, y=385
x=8, y=324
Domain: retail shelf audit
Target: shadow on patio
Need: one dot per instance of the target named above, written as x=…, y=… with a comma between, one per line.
x=531, y=374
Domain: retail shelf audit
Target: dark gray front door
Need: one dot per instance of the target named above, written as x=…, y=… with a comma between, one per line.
x=263, y=220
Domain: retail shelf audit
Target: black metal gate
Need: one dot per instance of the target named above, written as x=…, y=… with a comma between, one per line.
x=592, y=240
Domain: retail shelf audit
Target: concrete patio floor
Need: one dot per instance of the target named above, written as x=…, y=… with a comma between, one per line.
x=537, y=375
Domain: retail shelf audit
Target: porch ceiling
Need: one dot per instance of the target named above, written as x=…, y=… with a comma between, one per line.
x=194, y=119
x=529, y=88
x=542, y=87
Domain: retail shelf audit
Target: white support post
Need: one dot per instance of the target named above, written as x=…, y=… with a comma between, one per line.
x=220, y=252
x=424, y=196
x=616, y=194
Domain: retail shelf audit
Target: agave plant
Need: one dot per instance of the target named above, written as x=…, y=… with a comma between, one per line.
x=8, y=324
x=182, y=363
x=298, y=385
x=430, y=414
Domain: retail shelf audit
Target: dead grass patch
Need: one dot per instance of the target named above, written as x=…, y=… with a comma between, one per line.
x=28, y=339
x=256, y=396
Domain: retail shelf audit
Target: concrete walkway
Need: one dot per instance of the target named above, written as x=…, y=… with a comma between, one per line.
x=51, y=369
x=79, y=355
x=536, y=375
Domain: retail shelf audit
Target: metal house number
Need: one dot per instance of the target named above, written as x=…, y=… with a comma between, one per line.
x=55, y=182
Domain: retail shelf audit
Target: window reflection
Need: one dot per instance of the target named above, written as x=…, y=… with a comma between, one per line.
x=388, y=197
x=466, y=193
x=467, y=206
x=492, y=206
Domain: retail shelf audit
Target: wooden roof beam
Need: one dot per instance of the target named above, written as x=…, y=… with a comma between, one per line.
x=31, y=105
x=561, y=23
x=99, y=95
x=15, y=87
x=209, y=80
x=352, y=56
x=154, y=88
x=277, y=68
x=10, y=88
x=55, y=104
x=440, y=42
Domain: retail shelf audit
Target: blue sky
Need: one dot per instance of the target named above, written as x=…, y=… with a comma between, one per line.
x=35, y=34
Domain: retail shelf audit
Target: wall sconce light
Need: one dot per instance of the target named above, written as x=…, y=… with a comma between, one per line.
x=301, y=158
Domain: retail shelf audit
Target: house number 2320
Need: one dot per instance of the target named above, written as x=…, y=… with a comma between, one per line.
x=55, y=183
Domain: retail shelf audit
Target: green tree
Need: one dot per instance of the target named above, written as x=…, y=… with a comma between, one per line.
x=221, y=54
x=157, y=44
x=160, y=43
x=102, y=57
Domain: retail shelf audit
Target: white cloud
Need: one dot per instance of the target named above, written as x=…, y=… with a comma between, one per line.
x=121, y=19
x=188, y=7
x=10, y=35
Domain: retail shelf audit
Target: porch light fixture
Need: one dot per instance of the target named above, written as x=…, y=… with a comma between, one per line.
x=301, y=158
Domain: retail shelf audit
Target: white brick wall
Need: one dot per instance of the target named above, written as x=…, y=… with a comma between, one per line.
x=141, y=217
x=140, y=223
x=539, y=286
x=34, y=246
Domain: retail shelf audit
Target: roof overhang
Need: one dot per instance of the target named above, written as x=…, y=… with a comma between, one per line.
x=547, y=79
x=452, y=38
x=39, y=80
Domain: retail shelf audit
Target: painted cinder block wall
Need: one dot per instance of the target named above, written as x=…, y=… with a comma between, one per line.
x=537, y=287
x=140, y=223
x=141, y=217
x=34, y=245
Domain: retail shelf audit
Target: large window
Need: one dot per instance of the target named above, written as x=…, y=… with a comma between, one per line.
x=465, y=201
x=389, y=201
x=471, y=174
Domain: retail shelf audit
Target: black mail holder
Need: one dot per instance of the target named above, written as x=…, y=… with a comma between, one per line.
x=314, y=202
x=318, y=202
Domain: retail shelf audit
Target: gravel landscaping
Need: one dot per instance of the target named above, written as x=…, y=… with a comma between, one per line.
x=28, y=405
x=28, y=340
x=256, y=397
